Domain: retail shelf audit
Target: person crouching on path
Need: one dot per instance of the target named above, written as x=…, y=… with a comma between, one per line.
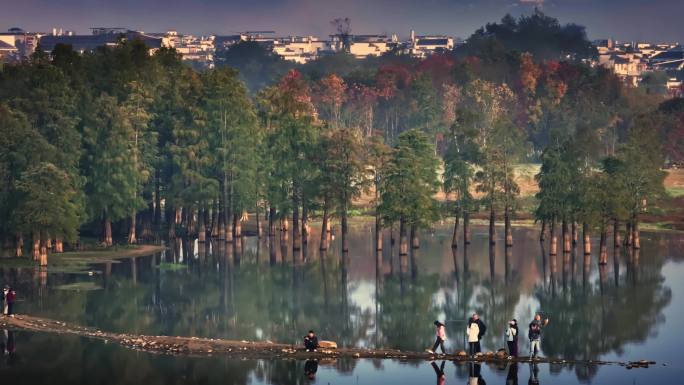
x=311, y=341
x=440, y=333
x=512, y=338
x=476, y=330
x=534, y=334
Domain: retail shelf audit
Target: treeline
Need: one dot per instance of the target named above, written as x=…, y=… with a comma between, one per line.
x=141, y=144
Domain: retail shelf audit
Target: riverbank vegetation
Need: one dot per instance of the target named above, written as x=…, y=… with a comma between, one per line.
x=141, y=147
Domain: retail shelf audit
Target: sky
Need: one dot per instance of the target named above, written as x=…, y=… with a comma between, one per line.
x=627, y=20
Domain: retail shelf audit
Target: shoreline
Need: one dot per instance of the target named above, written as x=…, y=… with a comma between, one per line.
x=204, y=347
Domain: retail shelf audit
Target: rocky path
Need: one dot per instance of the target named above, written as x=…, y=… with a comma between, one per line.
x=195, y=346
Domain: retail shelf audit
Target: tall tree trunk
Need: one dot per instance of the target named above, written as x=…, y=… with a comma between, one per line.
x=508, y=231
x=108, y=241
x=271, y=221
x=259, y=229
x=628, y=233
x=43, y=250
x=454, y=237
x=296, y=235
x=587, y=238
x=324, y=226
x=466, y=227
x=378, y=231
x=131, y=229
x=415, y=242
x=305, y=223
x=18, y=245
x=237, y=227
x=553, y=249
x=492, y=229
x=59, y=245
x=542, y=232
x=36, y=246
x=157, y=202
x=636, y=236
x=616, y=233
x=230, y=219
x=345, y=229
x=574, y=233
x=215, y=220
x=566, y=237
x=202, y=230
x=603, y=247
x=403, y=242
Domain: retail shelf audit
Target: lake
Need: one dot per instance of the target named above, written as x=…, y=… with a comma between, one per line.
x=630, y=309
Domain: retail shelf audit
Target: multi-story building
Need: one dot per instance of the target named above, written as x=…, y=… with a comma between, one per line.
x=300, y=49
x=100, y=36
x=198, y=50
x=422, y=46
x=16, y=43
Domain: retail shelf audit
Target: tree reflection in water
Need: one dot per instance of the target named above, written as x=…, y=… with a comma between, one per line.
x=258, y=290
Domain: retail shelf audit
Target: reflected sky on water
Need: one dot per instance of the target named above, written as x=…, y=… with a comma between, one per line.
x=630, y=309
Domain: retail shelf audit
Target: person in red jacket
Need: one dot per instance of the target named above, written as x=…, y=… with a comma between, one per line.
x=11, y=297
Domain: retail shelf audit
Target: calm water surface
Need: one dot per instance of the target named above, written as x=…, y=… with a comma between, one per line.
x=633, y=308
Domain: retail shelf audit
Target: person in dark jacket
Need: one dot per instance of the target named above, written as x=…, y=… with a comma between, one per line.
x=475, y=331
x=311, y=341
x=534, y=334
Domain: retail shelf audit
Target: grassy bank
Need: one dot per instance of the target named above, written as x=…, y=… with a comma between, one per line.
x=79, y=260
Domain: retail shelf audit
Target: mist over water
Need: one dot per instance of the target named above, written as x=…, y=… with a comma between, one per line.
x=629, y=309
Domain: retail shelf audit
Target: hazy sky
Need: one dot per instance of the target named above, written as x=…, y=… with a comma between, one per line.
x=653, y=20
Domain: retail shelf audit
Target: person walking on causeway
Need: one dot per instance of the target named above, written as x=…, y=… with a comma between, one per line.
x=440, y=334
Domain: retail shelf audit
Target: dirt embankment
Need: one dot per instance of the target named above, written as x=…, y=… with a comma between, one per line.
x=194, y=346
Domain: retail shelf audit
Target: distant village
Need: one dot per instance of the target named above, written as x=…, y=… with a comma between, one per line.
x=631, y=61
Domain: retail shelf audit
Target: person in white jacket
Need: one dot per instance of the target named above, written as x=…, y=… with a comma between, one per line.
x=475, y=331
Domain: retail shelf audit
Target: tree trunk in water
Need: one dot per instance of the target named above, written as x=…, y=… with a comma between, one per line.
x=542, y=233
x=324, y=227
x=296, y=235
x=43, y=250
x=305, y=224
x=202, y=230
x=553, y=249
x=221, y=226
x=229, y=224
x=131, y=230
x=508, y=231
x=260, y=231
x=492, y=230
x=616, y=233
x=566, y=237
x=636, y=238
x=603, y=247
x=59, y=245
x=285, y=224
x=574, y=233
x=587, y=238
x=403, y=242
x=378, y=231
x=36, y=246
x=628, y=233
x=271, y=221
x=466, y=227
x=108, y=241
x=454, y=238
x=18, y=245
x=345, y=241
x=237, y=227
x=215, y=221
x=415, y=242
